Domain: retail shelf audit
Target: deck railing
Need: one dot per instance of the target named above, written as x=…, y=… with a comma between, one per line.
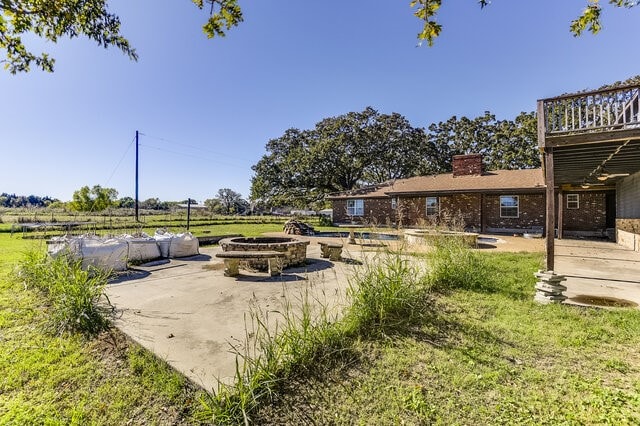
x=599, y=110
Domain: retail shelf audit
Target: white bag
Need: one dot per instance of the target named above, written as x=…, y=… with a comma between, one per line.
x=183, y=245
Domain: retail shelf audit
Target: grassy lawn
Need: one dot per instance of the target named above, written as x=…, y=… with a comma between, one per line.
x=47, y=379
x=492, y=357
x=489, y=356
x=248, y=226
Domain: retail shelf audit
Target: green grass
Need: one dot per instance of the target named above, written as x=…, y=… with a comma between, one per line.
x=201, y=225
x=484, y=354
x=46, y=378
x=449, y=350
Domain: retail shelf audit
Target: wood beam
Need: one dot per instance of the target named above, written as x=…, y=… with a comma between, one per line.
x=482, y=214
x=542, y=128
x=560, y=213
x=551, y=216
x=581, y=138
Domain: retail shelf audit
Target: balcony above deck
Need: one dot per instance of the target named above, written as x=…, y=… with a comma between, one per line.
x=590, y=117
x=595, y=136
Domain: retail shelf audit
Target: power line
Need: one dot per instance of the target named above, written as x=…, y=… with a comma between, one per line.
x=121, y=159
x=190, y=155
x=191, y=146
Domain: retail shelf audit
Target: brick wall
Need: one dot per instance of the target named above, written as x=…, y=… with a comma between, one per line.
x=411, y=211
x=532, y=210
x=591, y=215
x=465, y=165
x=377, y=211
x=454, y=209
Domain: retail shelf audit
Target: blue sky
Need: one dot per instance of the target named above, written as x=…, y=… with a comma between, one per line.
x=206, y=108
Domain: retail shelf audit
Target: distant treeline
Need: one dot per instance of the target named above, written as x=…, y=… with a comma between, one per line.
x=13, y=200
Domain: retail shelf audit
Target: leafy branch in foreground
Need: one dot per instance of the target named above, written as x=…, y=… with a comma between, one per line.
x=52, y=20
x=91, y=18
x=426, y=10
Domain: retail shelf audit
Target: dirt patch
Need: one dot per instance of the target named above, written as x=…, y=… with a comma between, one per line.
x=609, y=302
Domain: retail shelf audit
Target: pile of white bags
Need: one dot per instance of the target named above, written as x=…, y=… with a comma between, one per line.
x=115, y=253
x=109, y=253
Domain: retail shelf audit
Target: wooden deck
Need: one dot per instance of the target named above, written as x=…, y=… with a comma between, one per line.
x=589, y=141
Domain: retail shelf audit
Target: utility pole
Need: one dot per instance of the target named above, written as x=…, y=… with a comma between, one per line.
x=188, y=212
x=137, y=217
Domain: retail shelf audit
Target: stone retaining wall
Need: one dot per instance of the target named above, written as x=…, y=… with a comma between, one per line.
x=628, y=233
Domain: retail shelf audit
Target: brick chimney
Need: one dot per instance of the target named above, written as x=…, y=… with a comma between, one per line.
x=467, y=165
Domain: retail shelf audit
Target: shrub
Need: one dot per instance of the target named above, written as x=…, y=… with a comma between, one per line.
x=76, y=296
x=324, y=220
x=453, y=265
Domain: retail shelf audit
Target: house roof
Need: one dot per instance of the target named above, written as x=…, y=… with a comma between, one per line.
x=527, y=180
x=373, y=191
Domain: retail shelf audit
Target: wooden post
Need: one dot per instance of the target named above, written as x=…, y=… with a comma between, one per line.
x=482, y=213
x=541, y=124
x=551, y=216
x=560, y=214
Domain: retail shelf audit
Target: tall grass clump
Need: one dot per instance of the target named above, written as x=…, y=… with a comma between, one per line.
x=76, y=296
x=454, y=265
x=308, y=336
x=388, y=290
x=294, y=341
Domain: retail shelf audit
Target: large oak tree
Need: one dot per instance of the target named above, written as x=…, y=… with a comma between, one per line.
x=339, y=153
x=362, y=148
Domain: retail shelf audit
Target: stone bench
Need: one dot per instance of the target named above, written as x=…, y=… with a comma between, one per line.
x=331, y=250
x=232, y=261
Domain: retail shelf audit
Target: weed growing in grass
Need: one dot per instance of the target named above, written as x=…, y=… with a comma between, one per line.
x=388, y=290
x=453, y=265
x=309, y=336
x=304, y=335
x=78, y=302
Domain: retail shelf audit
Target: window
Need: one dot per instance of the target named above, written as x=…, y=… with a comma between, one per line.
x=355, y=207
x=509, y=206
x=433, y=207
x=394, y=203
x=573, y=201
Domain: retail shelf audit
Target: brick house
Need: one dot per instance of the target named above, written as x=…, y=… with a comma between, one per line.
x=510, y=201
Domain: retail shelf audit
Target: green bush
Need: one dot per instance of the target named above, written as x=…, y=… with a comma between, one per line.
x=453, y=265
x=324, y=220
x=76, y=296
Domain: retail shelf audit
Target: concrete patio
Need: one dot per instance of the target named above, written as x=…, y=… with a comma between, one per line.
x=189, y=314
x=598, y=269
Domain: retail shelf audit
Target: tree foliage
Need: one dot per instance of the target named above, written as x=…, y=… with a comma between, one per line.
x=93, y=199
x=339, y=153
x=363, y=148
x=589, y=19
x=504, y=144
x=229, y=201
x=13, y=200
x=52, y=20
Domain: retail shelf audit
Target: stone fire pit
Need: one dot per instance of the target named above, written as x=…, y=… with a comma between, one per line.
x=295, y=250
